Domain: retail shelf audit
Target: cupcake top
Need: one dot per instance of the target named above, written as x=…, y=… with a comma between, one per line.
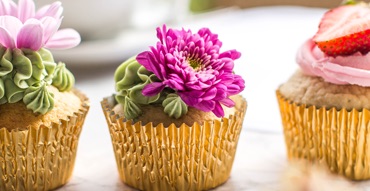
x=182, y=72
x=27, y=68
x=339, y=50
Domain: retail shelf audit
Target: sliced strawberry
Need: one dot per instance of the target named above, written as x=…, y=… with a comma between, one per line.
x=345, y=30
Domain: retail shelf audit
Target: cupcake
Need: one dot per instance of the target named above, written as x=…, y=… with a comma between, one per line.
x=176, y=117
x=41, y=115
x=325, y=105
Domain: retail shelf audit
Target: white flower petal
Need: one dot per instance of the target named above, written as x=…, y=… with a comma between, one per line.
x=6, y=39
x=64, y=39
x=11, y=24
x=8, y=7
x=54, y=10
x=50, y=26
x=26, y=10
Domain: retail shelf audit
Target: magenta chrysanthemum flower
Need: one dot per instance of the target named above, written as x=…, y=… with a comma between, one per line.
x=192, y=65
x=22, y=27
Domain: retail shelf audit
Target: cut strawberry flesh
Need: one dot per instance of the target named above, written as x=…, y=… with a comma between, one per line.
x=345, y=31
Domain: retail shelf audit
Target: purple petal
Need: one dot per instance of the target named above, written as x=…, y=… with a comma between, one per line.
x=148, y=60
x=6, y=39
x=218, y=110
x=221, y=91
x=228, y=64
x=190, y=101
x=64, y=39
x=54, y=10
x=161, y=32
x=26, y=10
x=233, y=89
x=227, y=78
x=204, y=77
x=227, y=102
x=51, y=26
x=153, y=89
x=30, y=36
x=175, y=84
x=237, y=86
x=233, y=54
x=195, y=93
x=210, y=94
x=206, y=105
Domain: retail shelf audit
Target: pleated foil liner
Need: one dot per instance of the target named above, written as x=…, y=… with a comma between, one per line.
x=41, y=158
x=199, y=157
x=338, y=139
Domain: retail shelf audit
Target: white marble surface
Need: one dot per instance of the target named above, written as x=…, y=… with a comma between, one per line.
x=268, y=39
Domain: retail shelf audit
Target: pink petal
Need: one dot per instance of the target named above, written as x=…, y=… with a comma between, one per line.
x=6, y=39
x=63, y=39
x=153, y=89
x=51, y=26
x=8, y=7
x=26, y=10
x=30, y=36
x=11, y=24
x=54, y=10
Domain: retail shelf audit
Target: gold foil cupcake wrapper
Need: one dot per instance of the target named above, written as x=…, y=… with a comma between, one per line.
x=199, y=157
x=41, y=158
x=339, y=139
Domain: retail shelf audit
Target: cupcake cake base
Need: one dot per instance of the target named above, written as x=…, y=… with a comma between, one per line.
x=198, y=157
x=336, y=138
x=41, y=157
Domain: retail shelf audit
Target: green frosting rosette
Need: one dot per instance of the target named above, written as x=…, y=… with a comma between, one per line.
x=38, y=98
x=131, y=78
x=25, y=75
x=174, y=106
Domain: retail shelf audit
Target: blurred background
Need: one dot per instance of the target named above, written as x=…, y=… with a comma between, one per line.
x=113, y=30
x=204, y=5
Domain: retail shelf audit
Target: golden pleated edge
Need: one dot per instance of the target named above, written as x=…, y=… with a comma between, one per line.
x=41, y=158
x=160, y=158
x=338, y=139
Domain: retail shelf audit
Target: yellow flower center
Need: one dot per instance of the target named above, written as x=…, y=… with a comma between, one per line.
x=195, y=64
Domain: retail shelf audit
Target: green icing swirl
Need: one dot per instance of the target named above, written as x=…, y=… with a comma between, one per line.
x=131, y=78
x=6, y=57
x=63, y=79
x=38, y=98
x=2, y=92
x=22, y=68
x=12, y=91
x=25, y=75
x=174, y=106
x=130, y=109
x=43, y=65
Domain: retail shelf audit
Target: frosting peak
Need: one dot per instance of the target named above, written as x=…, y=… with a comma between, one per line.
x=354, y=69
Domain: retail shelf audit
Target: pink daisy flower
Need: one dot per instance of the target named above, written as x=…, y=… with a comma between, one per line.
x=23, y=27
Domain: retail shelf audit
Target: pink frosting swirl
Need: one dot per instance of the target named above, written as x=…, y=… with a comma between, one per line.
x=354, y=69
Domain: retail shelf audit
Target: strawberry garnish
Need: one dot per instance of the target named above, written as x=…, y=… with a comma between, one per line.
x=345, y=30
